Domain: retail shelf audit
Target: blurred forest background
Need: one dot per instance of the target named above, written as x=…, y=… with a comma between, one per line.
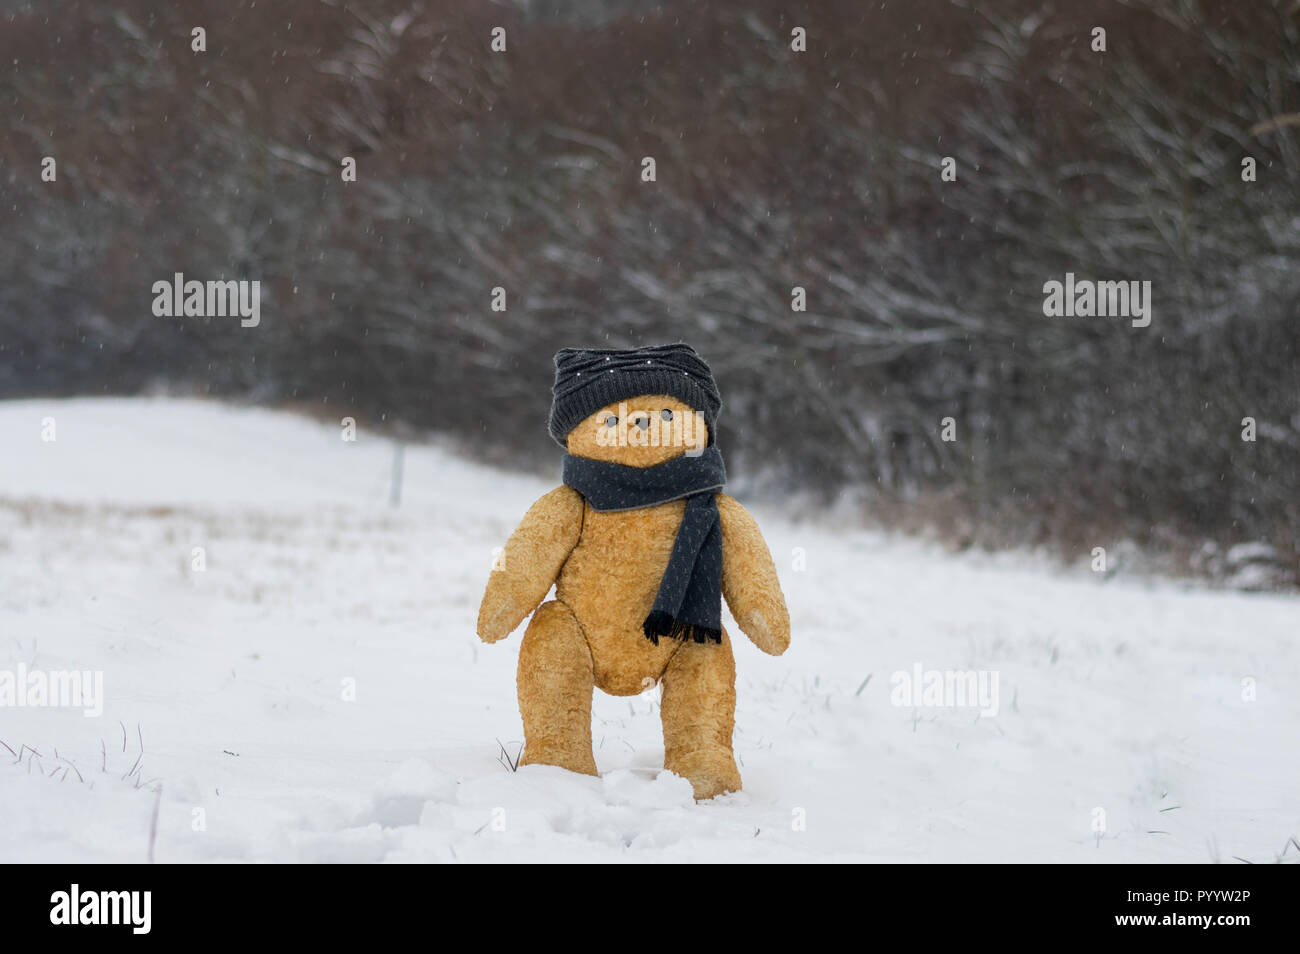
x=775, y=169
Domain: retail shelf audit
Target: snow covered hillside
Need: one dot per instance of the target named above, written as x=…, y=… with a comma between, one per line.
x=316, y=691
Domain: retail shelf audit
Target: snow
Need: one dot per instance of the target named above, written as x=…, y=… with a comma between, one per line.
x=227, y=689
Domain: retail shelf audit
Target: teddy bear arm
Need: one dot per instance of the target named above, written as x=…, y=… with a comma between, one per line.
x=749, y=580
x=530, y=562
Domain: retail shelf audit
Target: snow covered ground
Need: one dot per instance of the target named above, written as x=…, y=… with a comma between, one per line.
x=317, y=692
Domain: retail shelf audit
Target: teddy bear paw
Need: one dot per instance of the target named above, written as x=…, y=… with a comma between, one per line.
x=575, y=757
x=710, y=773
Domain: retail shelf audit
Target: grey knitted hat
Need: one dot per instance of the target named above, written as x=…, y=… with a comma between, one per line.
x=588, y=379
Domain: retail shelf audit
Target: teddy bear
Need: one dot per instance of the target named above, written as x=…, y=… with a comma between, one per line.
x=641, y=547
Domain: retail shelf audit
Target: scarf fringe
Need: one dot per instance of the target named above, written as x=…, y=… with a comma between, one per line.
x=660, y=623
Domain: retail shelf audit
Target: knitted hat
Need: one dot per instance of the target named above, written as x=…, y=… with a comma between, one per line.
x=588, y=379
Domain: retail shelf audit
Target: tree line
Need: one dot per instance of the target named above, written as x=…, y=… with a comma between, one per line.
x=857, y=235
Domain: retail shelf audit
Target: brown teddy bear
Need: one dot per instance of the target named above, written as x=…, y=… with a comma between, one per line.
x=641, y=548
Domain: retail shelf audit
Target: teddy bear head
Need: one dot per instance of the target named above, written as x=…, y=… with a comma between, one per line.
x=638, y=406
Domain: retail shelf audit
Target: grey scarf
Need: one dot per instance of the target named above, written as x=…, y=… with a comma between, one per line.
x=689, y=601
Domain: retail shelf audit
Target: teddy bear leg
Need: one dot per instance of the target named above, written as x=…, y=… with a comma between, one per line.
x=555, y=682
x=699, y=712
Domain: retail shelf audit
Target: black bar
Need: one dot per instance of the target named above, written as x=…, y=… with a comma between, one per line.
x=333, y=903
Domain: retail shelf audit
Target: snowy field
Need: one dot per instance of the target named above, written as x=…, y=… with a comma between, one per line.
x=317, y=692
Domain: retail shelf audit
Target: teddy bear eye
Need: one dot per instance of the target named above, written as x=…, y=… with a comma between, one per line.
x=611, y=421
x=666, y=414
